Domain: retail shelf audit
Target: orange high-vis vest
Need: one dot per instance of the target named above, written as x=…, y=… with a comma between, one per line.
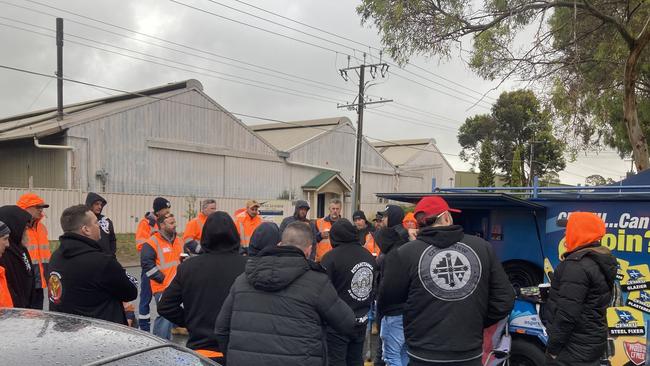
x=144, y=232
x=168, y=257
x=38, y=246
x=194, y=229
x=5, y=296
x=245, y=226
x=324, y=245
x=372, y=245
x=208, y=354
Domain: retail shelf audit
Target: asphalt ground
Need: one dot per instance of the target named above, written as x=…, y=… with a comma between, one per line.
x=181, y=339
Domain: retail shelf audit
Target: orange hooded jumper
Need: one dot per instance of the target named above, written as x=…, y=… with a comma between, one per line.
x=583, y=228
x=38, y=243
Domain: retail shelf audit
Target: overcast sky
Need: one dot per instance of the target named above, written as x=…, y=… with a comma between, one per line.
x=423, y=108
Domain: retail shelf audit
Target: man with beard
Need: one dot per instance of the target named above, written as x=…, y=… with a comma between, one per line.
x=108, y=240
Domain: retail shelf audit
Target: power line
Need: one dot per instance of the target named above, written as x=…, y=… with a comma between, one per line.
x=237, y=61
x=177, y=44
x=342, y=37
x=219, y=110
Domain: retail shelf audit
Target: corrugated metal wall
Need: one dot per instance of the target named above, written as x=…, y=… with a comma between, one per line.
x=125, y=210
x=22, y=160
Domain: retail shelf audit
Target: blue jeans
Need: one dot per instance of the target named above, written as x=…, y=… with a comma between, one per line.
x=161, y=326
x=144, y=319
x=393, y=342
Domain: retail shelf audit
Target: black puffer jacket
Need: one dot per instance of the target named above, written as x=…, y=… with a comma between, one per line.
x=576, y=310
x=108, y=240
x=276, y=311
x=16, y=260
x=454, y=288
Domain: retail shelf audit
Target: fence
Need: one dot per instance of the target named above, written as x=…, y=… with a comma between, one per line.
x=126, y=210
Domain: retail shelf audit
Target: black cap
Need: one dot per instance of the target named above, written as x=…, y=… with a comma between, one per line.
x=395, y=215
x=379, y=215
x=159, y=203
x=359, y=215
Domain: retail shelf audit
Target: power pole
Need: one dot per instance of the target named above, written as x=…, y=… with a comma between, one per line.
x=359, y=106
x=59, y=68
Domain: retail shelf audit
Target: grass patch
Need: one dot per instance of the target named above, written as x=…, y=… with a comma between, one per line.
x=126, y=252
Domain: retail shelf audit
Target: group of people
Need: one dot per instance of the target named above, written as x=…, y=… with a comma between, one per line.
x=250, y=292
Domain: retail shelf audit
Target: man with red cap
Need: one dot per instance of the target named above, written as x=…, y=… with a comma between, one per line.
x=581, y=291
x=452, y=286
x=38, y=244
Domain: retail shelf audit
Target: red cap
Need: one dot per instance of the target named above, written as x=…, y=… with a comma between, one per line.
x=433, y=206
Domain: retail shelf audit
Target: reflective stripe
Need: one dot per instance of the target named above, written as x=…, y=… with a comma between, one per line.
x=140, y=241
x=152, y=271
x=242, y=232
x=189, y=240
x=39, y=261
x=144, y=317
x=198, y=248
x=161, y=256
x=209, y=354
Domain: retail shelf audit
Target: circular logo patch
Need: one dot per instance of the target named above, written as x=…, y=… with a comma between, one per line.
x=451, y=273
x=55, y=287
x=361, y=284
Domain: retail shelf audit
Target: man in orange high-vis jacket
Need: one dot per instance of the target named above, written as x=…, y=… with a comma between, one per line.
x=147, y=227
x=38, y=245
x=194, y=228
x=323, y=227
x=5, y=296
x=246, y=222
x=160, y=256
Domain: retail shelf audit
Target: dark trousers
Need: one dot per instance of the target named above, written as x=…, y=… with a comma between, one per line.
x=416, y=362
x=343, y=350
x=562, y=360
x=37, y=299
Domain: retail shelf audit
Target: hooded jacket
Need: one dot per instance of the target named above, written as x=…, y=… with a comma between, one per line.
x=351, y=268
x=108, y=240
x=202, y=283
x=276, y=311
x=85, y=280
x=389, y=239
x=453, y=287
x=16, y=259
x=288, y=220
x=266, y=235
x=575, y=313
x=369, y=229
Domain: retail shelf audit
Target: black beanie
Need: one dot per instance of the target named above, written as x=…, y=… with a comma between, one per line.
x=159, y=203
x=343, y=231
x=4, y=229
x=359, y=215
x=395, y=215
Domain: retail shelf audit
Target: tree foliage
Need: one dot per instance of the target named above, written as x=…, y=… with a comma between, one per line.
x=516, y=122
x=593, y=55
x=597, y=180
x=516, y=177
x=486, y=165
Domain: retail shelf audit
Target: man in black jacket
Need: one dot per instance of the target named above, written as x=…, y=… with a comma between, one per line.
x=195, y=296
x=453, y=287
x=16, y=260
x=391, y=238
x=108, y=240
x=83, y=279
x=276, y=311
x=581, y=290
x=351, y=268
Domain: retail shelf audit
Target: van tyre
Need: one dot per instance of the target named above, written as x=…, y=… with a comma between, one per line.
x=526, y=353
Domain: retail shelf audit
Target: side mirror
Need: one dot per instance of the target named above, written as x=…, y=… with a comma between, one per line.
x=561, y=222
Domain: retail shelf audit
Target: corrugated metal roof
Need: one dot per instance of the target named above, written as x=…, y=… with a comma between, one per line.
x=399, y=152
x=285, y=136
x=43, y=123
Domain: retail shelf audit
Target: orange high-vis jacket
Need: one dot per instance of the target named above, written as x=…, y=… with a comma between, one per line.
x=144, y=232
x=194, y=229
x=245, y=226
x=371, y=245
x=5, y=296
x=38, y=246
x=168, y=257
x=324, y=245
